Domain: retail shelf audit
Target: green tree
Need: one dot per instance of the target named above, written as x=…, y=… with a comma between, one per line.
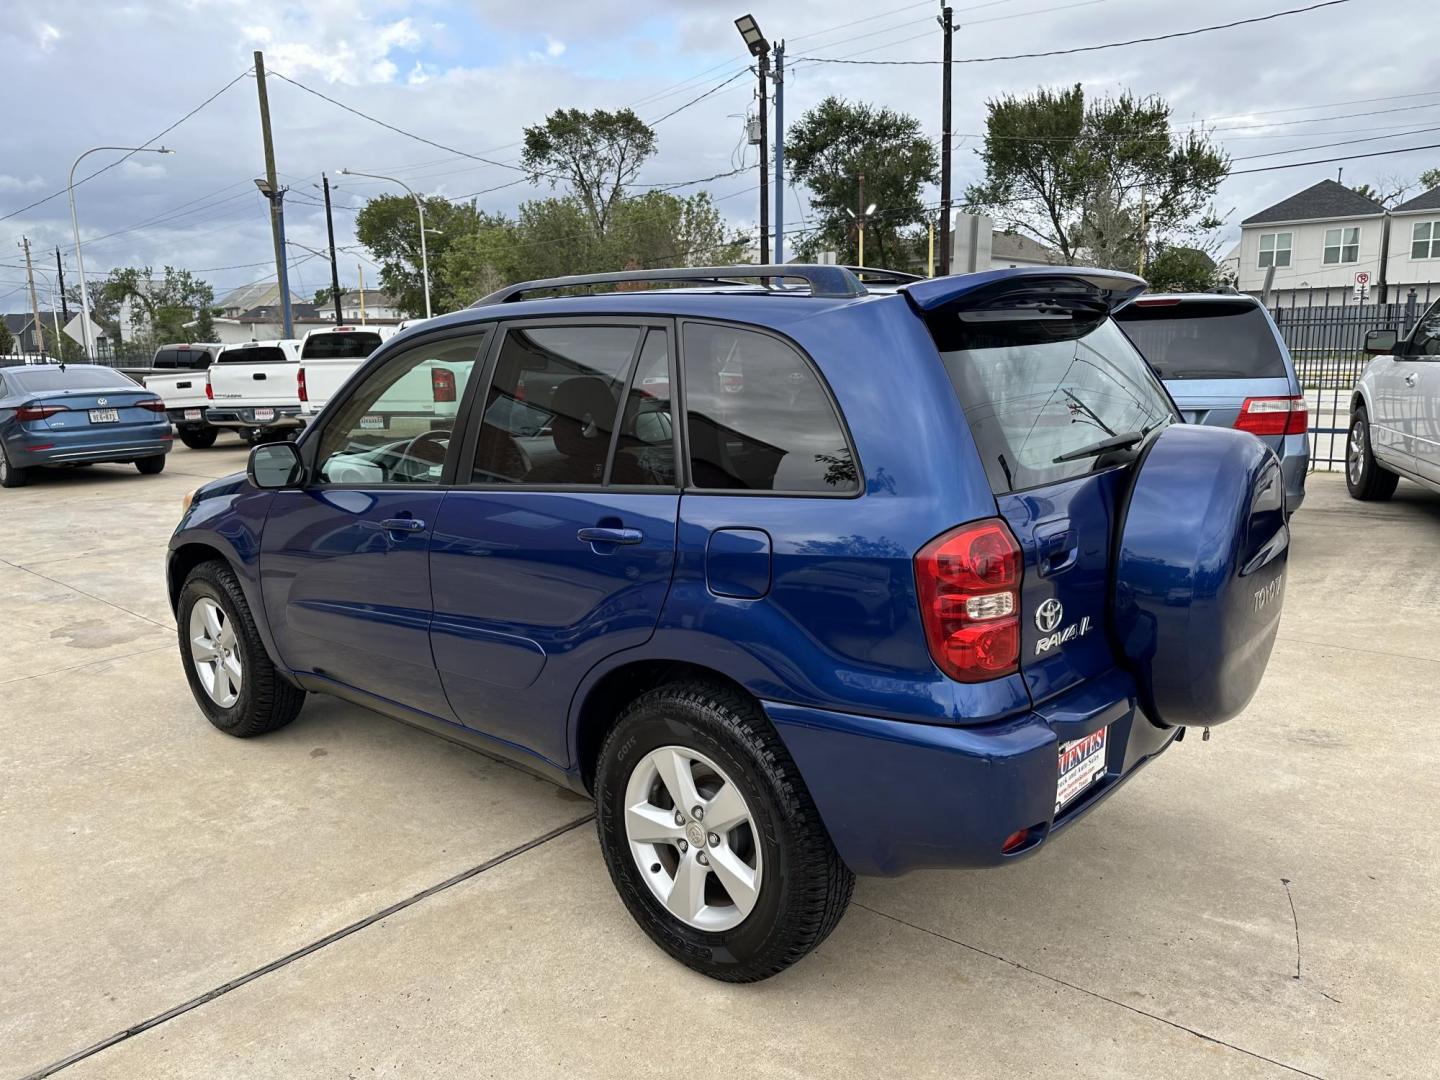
x=1430, y=178
x=595, y=154
x=1063, y=171
x=1177, y=268
x=389, y=227
x=836, y=143
x=176, y=306
x=323, y=297
x=7, y=339
x=660, y=229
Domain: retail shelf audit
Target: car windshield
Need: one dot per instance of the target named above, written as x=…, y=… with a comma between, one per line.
x=350, y=345
x=72, y=377
x=1204, y=339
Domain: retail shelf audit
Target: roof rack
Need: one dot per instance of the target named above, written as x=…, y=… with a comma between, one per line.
x=879, y=275
x=830, y=282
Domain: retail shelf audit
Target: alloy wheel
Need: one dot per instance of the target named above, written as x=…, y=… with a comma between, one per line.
x=693, y=837
x=215, y=652
x=1355, y=454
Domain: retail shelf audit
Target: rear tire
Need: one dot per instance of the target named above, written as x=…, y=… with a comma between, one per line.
x=149, y=466
x=1366, y=478
x=790, y=887
x=236, y=686
x=199, y=438
x=10, y=475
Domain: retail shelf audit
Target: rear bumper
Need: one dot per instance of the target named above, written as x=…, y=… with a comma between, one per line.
x=36, y=450
x=179, y=418
x=1294, y=465
x=286, y=416
x=898, y=796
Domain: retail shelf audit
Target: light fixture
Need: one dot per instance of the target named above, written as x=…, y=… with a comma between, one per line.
x=264, y=186
x=750, y=31
x=869, y=209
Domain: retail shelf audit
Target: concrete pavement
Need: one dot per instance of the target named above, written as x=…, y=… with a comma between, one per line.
x=1261, y=905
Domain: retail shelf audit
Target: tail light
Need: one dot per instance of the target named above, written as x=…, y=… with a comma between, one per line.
x=38, y=412
x=442, y=384
x=153, y=404
x=969, y=587
x=300, y=385
x=1274, y=416
x=209, y=390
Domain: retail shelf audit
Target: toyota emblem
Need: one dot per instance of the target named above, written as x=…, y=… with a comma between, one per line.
x=1048, y=615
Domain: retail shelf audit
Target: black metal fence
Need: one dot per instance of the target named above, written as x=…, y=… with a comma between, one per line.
x=1327, y=343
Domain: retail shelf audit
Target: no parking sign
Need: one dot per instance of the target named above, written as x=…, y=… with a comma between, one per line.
x=1362, y=284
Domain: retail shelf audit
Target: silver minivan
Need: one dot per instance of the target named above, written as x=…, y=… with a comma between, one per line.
x=1224, y=362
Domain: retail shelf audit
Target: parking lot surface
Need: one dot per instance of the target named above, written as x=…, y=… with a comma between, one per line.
x=1264, y=904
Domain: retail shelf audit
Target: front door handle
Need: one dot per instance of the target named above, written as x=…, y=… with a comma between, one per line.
x=402, y=525
x=600, y=535
x=1410, y=379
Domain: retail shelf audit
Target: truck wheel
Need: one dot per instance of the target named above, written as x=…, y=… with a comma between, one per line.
x=149, y=466
x=199, y=438
x=711, y=837
x=236, y=686
x=10, y=476
x=1366, y=478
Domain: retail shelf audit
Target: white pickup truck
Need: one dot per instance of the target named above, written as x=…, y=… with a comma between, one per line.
x=179, y=374
x=254, y=389
x=329, y=356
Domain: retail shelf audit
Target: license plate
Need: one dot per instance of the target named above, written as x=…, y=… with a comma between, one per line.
x=371, y=423
x=192, y=414
x=1082, y=762
x=104, y=416
x=264, y=414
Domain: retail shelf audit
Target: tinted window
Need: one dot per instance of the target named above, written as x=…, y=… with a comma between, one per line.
x=1029, y=401
x=351, y=345
x=757, y=416
x=258, y=354
x=396, y=427
x=74, y=377
x=1207, y=339
x=165, y=358
x=645, y=445
x=1426, y=339
x=552, y=405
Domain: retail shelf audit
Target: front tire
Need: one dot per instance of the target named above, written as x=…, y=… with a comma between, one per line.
x=236, y=686
x=1366, y=478
x=199, y=438
x=10, y=475
x=750, y=884
x=149, y=466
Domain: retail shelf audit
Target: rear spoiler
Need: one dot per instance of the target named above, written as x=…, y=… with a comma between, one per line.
x=1102, y=291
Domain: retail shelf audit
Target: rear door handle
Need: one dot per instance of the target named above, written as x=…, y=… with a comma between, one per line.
x=1059, y=548
x=258, y=375
x=599, y=535
x=402, y=525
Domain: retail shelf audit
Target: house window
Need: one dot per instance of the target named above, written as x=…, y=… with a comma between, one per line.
x=1425, y=240
x=1274, y=249
x=1342, y=245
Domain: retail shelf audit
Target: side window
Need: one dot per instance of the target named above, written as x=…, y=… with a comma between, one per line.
x=396, y=427
x=1426, y=340
x=645, y=445
x=553, y=404
x=758, y=418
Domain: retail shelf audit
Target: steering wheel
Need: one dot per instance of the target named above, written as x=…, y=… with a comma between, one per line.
x=440, y=437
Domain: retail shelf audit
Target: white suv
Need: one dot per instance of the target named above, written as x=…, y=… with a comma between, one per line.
x=1395, y=412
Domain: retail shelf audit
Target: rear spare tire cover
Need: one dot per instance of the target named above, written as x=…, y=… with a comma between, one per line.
x=1200, y=572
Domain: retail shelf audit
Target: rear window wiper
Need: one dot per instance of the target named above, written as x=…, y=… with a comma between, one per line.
x=1123, y=441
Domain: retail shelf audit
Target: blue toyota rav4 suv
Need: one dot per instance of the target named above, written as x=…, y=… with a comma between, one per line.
x=798, y=579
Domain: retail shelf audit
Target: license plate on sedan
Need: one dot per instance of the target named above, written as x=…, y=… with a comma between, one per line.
x=104, y=416
x=1082, y=762
x=192, y=414
x=264, y=414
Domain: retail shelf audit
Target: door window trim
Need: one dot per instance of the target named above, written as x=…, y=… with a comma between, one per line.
x=814, y=369
x=476, y=416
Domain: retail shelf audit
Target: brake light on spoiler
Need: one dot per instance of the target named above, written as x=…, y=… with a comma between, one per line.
x=1274, y=416
x=968, y=580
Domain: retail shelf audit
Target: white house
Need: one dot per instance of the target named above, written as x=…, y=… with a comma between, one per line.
x=1413, y=257
x=378, y=306
x=1316, y=241
x=977, y=245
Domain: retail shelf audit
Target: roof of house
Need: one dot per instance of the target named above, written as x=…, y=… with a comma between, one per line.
x=1426, y=200
x=1008, y=245
x=254, y=295
x=373, y=298
x=273, y=312
x=1327, y=199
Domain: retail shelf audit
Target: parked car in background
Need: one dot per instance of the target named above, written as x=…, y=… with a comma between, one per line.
x=1395, y=412
x=77, y=414
x=253, y=390
x=178, y=374
x=1224, y=362
x=329, y=356
x=837, y=616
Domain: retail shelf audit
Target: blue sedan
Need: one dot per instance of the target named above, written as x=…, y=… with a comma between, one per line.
x=77, y=414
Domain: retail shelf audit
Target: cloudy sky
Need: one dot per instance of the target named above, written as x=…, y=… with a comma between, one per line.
x=471, y=74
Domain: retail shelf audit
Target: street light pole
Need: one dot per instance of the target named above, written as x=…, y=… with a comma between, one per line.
x=420, y=206
x=75, y=224
x=760, y=50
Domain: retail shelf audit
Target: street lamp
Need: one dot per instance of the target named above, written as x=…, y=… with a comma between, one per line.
x=759, y=48
x=860, y=229
x=75, y=224
x=424, y=255
x=750, y=33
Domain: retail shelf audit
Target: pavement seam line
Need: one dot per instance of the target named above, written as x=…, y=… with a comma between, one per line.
x=88, y=663
x=82, y=592
x=305, y=950
x=1352, y=648
x=1089, y=993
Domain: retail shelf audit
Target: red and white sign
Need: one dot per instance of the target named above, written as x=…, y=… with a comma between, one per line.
x=1362, y=278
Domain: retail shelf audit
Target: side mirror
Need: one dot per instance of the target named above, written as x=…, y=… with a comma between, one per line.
x=275, y=465
x=1381, y=342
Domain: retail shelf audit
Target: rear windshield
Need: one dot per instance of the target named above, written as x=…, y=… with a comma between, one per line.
x=1207, y=339
x=74, y=377
x=355, y=345
x=1035, y=391
x=260, y=354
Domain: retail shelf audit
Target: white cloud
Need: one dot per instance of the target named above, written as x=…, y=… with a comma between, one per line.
x=554, y=46
x=144, y=170
x=15, y=183
x=46, y=36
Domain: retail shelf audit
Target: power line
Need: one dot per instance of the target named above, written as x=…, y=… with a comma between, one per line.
x=1345, y=142
x=1082, y=48
x=1327, y=161
x=702, y=97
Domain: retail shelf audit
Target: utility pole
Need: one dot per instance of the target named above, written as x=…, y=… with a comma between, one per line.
x=275, y=195
x=361, y=270
x=334, y=266
x=780, y=152
x=762, y=62
x=1141, y=268
x=34, y=301
x=60, y=277
x=946, y=137
x=860, y=223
